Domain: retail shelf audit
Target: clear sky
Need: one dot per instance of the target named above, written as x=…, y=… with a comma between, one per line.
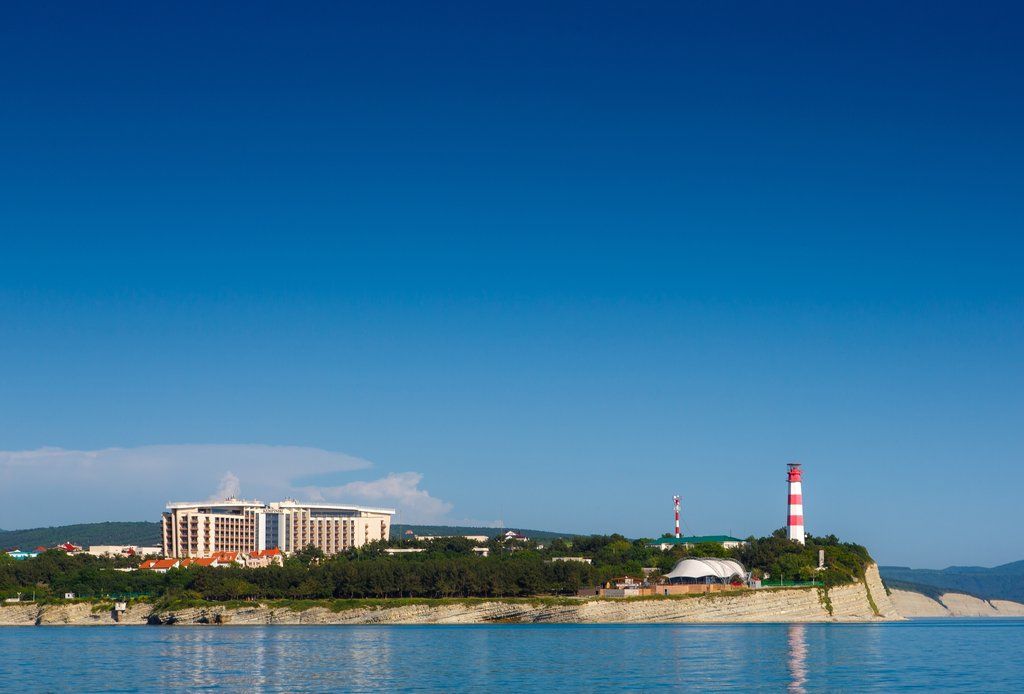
x=541, y=264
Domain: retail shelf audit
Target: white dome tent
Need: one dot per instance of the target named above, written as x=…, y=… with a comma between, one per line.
x=707, y=570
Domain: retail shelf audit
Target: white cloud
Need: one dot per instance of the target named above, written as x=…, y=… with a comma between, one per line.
x=230, y=487
x=400, y=490
x=54, y=486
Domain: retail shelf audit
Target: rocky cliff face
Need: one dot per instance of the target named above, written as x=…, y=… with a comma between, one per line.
x=860, y=602
x=883, y=603
x=912, y=604
x=17, y=615
x=78, y=614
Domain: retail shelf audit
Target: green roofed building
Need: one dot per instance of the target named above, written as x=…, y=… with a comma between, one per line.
x=727, y=541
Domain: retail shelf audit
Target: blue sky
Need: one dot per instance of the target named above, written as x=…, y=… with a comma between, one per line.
x=545, y=265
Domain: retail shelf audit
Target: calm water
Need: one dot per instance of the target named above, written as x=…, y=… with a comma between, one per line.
x=968, y=655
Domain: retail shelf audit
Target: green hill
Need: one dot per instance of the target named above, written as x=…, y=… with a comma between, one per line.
x=85, y=534
x=1004, y=582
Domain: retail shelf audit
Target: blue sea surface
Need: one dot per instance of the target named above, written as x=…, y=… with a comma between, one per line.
x=927, y=655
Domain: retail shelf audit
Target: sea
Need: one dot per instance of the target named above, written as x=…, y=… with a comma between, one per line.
x=973, y=655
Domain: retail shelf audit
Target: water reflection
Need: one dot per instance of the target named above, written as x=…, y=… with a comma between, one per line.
x=797, y=658
x=194, y=656
x=510, y=658
x=369, y=656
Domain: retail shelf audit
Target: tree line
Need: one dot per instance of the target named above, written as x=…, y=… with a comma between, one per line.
x=446, y=568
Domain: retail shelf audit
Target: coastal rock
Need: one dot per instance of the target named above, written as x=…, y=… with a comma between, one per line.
x=859, y=602
x=18, y=614
x=884, y=603
x=73, y=613
x=960, y=605
x=849, y=603
x=1008, y=608
x=911, y=604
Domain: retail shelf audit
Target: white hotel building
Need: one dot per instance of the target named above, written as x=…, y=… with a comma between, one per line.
x=198, y=529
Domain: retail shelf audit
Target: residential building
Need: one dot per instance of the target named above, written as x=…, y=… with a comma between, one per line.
x=259, y=559
x=398, y=551
x=474, y=538
x=200, y=529
x=161, y=566
x=217, y=559
x=122, y=550
x=624, y=587
x=726, y=541
x=214, y=560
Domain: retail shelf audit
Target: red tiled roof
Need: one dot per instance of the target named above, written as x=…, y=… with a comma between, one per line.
x=204, y=562
x=265, y=553
x=165, y=564
x=148, y=564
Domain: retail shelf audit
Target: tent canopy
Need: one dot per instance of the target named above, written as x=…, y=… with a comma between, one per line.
x=697, y=569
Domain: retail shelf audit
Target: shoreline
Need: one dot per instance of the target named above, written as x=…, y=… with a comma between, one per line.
x=864, y=601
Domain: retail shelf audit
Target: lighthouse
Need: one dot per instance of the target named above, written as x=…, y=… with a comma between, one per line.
x=675, y=502
x=795, y=523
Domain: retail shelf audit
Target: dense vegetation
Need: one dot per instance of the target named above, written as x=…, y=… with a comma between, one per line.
x=1004, y=582
x=781, y=558
x=84, y=534
x=448, y=568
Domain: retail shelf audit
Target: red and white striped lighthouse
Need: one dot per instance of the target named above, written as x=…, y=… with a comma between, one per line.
x=675, y=500
x=795, y=524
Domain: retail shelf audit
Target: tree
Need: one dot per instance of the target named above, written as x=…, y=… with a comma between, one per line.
x=310, y=555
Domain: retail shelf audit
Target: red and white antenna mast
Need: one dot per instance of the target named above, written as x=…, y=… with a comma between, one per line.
x=795, y=522
x=675, y=500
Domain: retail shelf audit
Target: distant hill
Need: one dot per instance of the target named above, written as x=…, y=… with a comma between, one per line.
x=1004, y=582
x=398, y=530
x=85, y=534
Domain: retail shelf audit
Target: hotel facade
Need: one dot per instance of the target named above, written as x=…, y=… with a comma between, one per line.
x=200, y=529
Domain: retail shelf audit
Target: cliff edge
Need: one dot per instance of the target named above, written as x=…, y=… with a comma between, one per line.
x=911, y=604
x=860, y=602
